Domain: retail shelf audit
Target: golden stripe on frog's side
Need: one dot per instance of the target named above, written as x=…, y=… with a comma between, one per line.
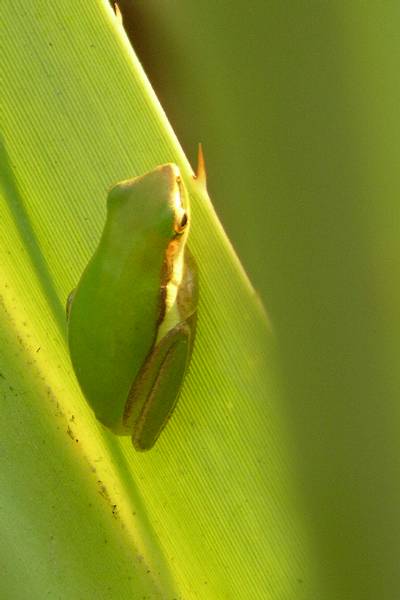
x=171, y=279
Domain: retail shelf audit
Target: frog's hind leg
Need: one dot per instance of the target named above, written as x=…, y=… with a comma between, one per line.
x=154, y=394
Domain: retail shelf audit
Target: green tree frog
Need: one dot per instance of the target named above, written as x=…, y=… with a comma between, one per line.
x=132, y=317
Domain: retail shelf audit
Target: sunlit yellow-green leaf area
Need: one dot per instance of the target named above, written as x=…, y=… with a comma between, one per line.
x=211, y=512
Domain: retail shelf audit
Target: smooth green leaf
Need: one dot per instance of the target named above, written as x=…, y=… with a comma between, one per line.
x=210, y=512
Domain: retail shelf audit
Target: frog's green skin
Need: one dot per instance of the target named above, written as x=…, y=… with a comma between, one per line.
x=132, y=317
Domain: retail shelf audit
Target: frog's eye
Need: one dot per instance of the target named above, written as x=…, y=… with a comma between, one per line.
x=181, y=224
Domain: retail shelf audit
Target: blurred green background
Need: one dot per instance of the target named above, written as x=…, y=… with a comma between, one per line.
x=297, y=105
